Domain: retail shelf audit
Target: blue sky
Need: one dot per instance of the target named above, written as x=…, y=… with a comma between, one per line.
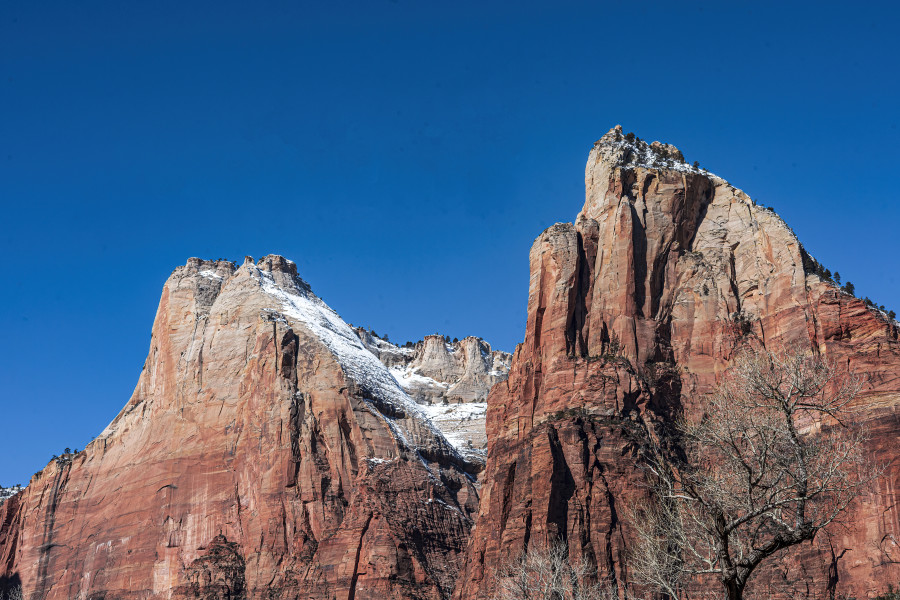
x=404, y=154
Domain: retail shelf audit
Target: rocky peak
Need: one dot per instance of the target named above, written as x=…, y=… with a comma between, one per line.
x=616, y=161
x=274, y=263
x=449, y=380
x=218, y=269
x=628, y=151
x=437, y=371
x=634, y=311
x=265, y=451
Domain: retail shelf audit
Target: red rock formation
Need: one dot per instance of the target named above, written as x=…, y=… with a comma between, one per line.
x=635, y=310
x=264, y=453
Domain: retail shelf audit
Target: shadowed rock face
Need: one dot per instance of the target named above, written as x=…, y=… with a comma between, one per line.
x=264, y=453
x=635, y=310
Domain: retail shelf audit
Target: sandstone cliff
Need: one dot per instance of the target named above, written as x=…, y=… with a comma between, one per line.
x=264, y=453
x=435, y=371
x=634, y=311
x=450, y=380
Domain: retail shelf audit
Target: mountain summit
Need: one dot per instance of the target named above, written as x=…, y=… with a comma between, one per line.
x=634, y=311
x=265, y=452
x=270, y=450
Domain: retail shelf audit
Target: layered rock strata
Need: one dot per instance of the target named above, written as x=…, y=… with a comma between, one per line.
x=435, y=371
x=265, y=453
x=450, y=380
x=633, y=312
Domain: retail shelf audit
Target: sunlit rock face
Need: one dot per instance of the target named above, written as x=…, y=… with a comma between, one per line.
x=634, y=311
x=272, y=451
x=265, y=453
x=437, y=371
x=450, y=381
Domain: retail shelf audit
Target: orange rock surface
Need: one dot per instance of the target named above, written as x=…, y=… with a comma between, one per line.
x=633, y=312
x=261, y=456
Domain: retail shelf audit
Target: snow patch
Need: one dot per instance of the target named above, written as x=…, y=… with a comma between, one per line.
x=408, y=376
x=456, y=421
x=638, y=153
x=9, y=492
x=357, y=362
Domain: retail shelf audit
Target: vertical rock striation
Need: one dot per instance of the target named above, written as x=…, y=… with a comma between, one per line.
x=264, y=453
x=435, y=371
x=451, y=381
x=633, y=312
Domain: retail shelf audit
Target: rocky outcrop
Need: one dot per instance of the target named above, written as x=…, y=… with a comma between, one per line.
x=9, y=492
x=264, y=453
x=435, y=371
x=633, y=312
x=451, y=381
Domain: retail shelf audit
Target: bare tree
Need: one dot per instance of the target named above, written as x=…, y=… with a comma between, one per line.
x=13, y=594
x=546, y=573
x=774, y=460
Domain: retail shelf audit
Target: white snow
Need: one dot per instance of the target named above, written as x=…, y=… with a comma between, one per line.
x=210, y=274
x=9, y=492
x=456, y=421
x=642, y=155
x=357, y=362
x=408, y=376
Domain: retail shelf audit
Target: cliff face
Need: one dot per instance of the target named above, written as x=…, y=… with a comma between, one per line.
x=633, y=311
x=435, y=371
x=451, y=381
x=264, y=453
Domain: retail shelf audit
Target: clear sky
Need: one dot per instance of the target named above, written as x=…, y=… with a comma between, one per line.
x=404, y=153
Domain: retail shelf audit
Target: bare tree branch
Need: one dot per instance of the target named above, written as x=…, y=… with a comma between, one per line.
x=774, y=459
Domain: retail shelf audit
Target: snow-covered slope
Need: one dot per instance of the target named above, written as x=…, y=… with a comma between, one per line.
x=463, y=424
x=9, y=492
x=436, y=371
x=386, y=398
x=449, y=380
x=629, y=151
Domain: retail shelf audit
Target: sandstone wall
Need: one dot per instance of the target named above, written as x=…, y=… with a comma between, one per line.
x=633, y=312
x=251, y=461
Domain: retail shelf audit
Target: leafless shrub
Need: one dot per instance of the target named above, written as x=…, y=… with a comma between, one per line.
x=13, y=594
x=774, y=460
x=546, y=573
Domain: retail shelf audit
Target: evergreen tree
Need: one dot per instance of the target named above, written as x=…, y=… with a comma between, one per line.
x=837, y=278
x=850, y=288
